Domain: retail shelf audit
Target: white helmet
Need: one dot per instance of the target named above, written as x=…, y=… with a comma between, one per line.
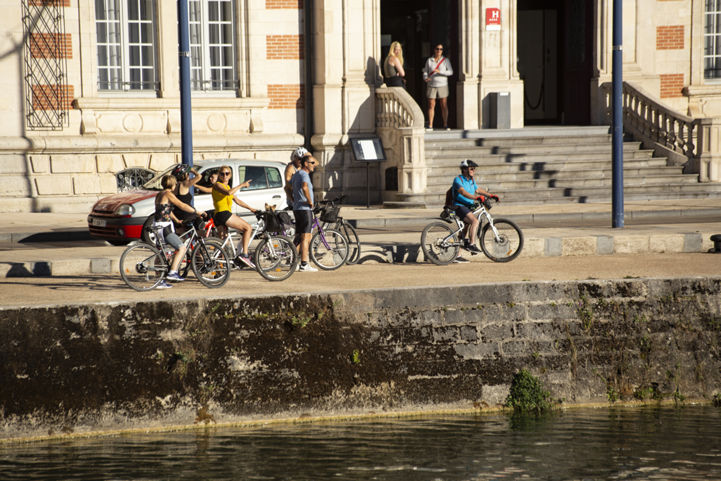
x=298, y=153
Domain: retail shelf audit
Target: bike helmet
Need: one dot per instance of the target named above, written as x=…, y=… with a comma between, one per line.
x=180, y=171
x=468, y=163
x=299, y=153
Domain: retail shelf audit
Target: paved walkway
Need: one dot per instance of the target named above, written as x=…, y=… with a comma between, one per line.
x=36, y=244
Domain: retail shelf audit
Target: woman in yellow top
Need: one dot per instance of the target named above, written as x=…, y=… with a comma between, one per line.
x=223, y=198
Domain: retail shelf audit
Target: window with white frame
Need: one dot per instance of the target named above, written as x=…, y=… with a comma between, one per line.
x=126, y=45
x=712, y=40
x=212, y=45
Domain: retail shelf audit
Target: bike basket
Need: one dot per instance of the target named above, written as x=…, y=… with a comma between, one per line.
x=329, y=213
x=286, y=219
x=272, y=222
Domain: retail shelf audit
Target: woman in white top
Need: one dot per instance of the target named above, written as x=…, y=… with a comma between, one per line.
x=435, y=73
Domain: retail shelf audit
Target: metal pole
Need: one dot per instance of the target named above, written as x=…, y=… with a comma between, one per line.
x=617, y=122
x=186, y=123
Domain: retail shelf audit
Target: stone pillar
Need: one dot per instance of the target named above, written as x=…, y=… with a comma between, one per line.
x=488, y=63
x=709, y=139
x=346, y=46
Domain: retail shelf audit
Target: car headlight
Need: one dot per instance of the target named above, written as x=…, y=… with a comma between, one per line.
x=125, y=209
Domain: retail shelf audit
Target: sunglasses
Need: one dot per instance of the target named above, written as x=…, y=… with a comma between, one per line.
x=439, y=49
x=224, y=173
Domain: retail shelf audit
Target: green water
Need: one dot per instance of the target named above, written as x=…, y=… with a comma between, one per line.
x=579, y=444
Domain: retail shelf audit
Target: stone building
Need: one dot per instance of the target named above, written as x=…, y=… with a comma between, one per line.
x=91, y=100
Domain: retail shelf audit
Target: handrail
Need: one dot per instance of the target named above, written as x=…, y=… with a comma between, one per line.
x=652, y=122
x=399, y=124
x=685, y=140
x=397, y=109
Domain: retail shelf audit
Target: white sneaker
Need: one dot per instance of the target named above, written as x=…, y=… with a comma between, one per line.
x=460, y=260
x=307, y=268
x=163, y=285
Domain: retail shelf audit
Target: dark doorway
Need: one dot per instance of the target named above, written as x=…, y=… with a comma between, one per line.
x=419, y=25
x=555, y=60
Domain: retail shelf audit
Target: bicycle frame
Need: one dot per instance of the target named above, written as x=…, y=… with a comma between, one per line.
x=480, y=213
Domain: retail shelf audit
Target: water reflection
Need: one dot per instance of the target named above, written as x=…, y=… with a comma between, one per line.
x=617, y=443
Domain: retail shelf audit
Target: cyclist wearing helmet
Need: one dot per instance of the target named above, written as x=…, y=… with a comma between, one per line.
x=293, y=167
x=465, y=193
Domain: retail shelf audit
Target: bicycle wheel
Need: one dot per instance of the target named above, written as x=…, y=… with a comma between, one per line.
x=439, y=243
x=142, y=267
x=353, y=243
x=276, y=258
x=329, y=249
x=210, y=264
x=506, y=246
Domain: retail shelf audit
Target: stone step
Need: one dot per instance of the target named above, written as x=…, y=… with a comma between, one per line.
x=548, y=169
x=637, y=179
x=583, y=195
x=569, y=149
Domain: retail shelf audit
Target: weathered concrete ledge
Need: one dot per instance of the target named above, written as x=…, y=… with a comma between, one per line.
x=114, y=366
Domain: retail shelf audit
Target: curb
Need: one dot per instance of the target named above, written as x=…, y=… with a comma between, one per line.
x=410, y=252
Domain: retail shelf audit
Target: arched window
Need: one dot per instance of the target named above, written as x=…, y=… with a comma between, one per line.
x=133, y=178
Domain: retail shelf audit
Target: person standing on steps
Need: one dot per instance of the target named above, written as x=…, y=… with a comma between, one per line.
x=465, y=193
x=302, y=190
x=393, y=66
x=435, y=73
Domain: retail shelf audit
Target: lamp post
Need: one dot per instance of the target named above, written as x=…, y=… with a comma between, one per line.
x=617, y=122
x=186, y=123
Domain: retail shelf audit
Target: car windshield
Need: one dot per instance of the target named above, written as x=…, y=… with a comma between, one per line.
x=154, y=183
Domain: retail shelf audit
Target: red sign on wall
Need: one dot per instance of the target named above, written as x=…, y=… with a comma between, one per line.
x=493, y=19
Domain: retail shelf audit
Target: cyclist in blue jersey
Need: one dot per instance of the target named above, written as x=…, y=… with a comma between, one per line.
x=465, y=194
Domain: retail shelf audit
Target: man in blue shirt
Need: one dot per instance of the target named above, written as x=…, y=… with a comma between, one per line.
x=302, y=190
x=465, y=194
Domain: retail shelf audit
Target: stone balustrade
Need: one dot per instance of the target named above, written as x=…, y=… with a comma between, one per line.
x=688, y=141
x=399, y=123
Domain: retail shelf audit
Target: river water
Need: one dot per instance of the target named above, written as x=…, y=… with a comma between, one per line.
x=659, y=443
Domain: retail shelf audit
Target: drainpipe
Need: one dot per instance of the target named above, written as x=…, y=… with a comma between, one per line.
x=308, y=54
x=186, y=124
x=617, y=83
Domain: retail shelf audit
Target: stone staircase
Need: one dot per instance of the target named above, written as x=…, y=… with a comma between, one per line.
x=552, y=165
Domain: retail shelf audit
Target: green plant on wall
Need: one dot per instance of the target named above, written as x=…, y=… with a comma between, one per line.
x=355, y=356
x=585, y=313
x=527, y=394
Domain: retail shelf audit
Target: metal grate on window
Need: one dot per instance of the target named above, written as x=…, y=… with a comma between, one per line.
x=47, y=97
x=133, y=178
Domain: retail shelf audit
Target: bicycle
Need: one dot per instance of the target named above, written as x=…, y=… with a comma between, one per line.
x=501, y=240
x=275, y=257
x=331, y=220
x=328, y=247
x=143, y=266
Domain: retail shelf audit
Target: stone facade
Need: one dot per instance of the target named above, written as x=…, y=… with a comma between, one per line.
x=267, y=115
x=83, y=368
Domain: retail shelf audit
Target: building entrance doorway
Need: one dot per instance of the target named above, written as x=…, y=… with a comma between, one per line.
x=419, y=25
x=555, y=61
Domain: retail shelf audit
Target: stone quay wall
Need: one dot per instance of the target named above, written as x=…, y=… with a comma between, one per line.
x=86, y=368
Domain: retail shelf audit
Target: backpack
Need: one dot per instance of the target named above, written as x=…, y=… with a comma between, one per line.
x=450, y=198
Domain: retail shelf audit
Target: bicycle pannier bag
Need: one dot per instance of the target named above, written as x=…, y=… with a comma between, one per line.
x=272, y=222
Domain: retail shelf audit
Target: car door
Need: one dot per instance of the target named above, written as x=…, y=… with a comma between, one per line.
x=266, y=187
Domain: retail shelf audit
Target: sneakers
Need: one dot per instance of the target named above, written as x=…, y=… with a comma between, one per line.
x=472, y=248
x=307, y=268
x=174, y=276
x=244, y=259
x=163, y=285
x=460, y=260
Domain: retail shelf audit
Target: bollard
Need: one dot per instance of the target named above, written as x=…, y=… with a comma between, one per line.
x=716, y=239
